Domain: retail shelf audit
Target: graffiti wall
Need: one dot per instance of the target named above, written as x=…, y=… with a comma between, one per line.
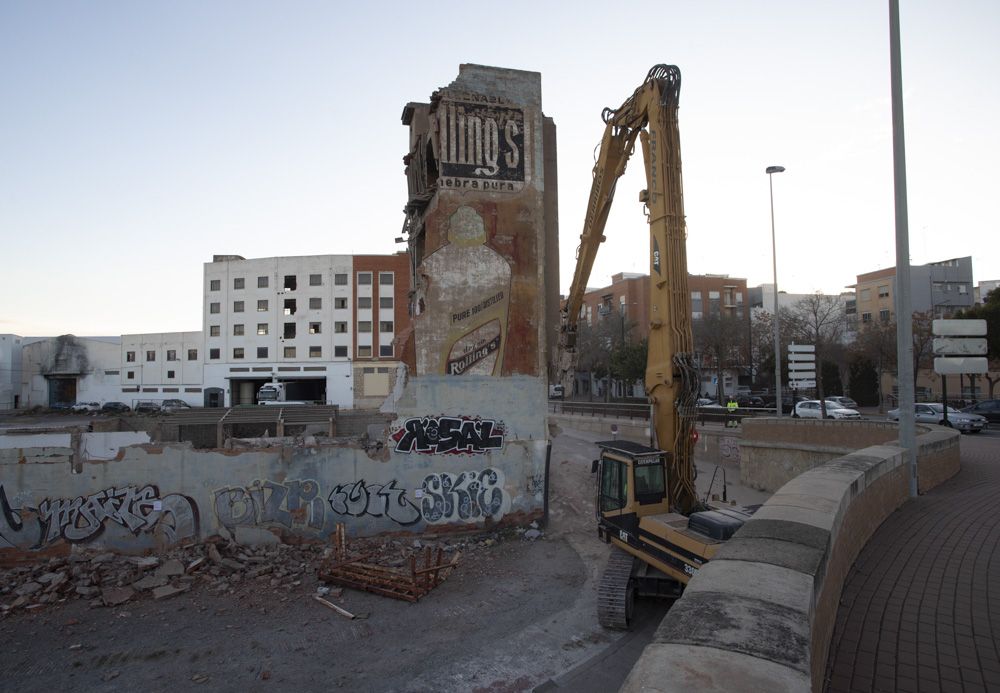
x=454, y=469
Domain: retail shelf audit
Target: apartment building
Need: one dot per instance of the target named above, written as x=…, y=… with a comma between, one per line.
x=939, y=288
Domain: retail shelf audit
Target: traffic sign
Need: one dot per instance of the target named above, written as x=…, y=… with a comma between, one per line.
x=802, y=366
x=796, y=356
x=802, y=384
x=959, y=328
x=952, y=365
x=801, y=348
x=959, y=346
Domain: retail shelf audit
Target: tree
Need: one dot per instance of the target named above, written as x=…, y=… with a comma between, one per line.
x=628, y=361
x=596, y=343
x=923, y=343
x=876, y=346
x=721, y=340
x=820, y=320
x=989, y=310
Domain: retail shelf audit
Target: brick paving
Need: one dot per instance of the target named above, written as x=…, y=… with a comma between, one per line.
x=920, y=609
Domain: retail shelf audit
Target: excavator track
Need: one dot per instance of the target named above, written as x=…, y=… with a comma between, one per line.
x=615, y=592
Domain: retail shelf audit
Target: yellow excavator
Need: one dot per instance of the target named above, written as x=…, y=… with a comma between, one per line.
x=647, y=505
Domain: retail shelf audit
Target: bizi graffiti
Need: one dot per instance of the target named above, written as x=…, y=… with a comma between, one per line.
x=84, y=518
x=448, y=435
x=464, y=497
x=289, y=504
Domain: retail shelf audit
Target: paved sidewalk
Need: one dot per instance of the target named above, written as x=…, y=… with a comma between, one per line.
x=920, y=609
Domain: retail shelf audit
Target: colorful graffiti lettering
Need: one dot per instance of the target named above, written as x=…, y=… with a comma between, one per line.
x=292, y=503
x=376, y=500
x=448, y=435
x=84, y=518
x=464, y=497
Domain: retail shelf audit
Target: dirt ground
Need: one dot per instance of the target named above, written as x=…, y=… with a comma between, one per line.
x=512, y=616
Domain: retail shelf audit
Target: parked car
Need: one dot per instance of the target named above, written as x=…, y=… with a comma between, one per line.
x=60, y=406
x=933, y=413
x=788, y=402
x=147, y=408
x=86, y=407
x=750, y=401
x=705, y=402
x=115, y=408
x=844, y=401
x=556, y=391
x=810, y=409
x=988, y=408
x=172, y=405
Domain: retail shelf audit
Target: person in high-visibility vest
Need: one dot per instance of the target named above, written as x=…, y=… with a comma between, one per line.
x=731, y=407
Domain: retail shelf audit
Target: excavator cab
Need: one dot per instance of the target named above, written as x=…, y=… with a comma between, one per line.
x=634, y=514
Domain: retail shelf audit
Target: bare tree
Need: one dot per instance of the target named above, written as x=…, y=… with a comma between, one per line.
x=876, y=342
x=721, y=340
x=819, y=319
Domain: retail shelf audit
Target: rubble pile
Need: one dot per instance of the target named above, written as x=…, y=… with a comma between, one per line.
x=217, y=565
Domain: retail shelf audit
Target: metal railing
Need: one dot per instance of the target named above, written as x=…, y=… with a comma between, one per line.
x=641, y=411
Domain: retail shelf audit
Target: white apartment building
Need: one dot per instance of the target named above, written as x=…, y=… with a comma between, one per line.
x=162, y=366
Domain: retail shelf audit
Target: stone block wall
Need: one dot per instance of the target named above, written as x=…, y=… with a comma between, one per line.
x=761, y=614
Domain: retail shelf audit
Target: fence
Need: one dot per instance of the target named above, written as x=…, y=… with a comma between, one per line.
x=628, y=410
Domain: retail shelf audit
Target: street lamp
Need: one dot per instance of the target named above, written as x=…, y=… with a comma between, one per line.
x=770, y=171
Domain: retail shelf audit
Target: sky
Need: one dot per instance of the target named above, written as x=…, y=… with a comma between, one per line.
x=139, y=139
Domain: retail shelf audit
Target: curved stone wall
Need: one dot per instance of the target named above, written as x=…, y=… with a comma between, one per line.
x=760, y=615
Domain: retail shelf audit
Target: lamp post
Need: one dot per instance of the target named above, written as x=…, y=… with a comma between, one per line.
x=770, y=171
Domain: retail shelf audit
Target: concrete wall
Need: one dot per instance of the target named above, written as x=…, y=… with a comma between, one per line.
x=10, y=370
x=761, y=614
x=448, y=462
x=774, y=451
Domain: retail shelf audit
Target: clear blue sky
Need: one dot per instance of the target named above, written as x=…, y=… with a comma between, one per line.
x=138, y=139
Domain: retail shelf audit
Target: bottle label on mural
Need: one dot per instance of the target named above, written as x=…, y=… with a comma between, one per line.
x=476, y=353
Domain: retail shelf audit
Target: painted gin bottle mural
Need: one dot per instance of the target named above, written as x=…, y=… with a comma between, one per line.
x=468, y=283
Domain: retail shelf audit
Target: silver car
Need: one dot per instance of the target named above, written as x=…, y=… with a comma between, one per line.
x=810, y=409
x=933, y=413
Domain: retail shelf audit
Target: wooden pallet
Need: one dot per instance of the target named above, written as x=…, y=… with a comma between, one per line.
x=409, y=584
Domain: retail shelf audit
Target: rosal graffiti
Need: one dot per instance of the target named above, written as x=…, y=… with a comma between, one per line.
x=84, y=518
x=375, y=500
x=464, y=497
x=443, y=435
x=294, y=503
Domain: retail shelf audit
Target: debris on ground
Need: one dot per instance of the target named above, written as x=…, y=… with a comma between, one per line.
x=405, y=567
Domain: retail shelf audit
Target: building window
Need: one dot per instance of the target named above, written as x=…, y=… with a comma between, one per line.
x=215, y=285
x=315, y=352
x=130, y=356
x=340, y=352
x=963, y=288
x=262, y=328
x=237, y=330
x=192, y=354
x=290, y=282
x=170, y=374
x=385, y=278
x=340, y=327
x=317, y=303
x=213, y=354
x=696, y=302
x=289, y=352
x=238, y=353
x=866, y=317
x=214, y=331
x=364, y=352
x=239, y=283
x=364, y=326
x=150, y=355
x=385, y=326
x=315, y=280
x=883, y=315
x=385, y=302
x=130, y=375
x=385, y=350
x=262, y=306
x=262, y=352
x=866, y=295
x=237, y=306
x=340, y=279
x=314, y=328
x=365, y=278
x=289, y=332
x=364, y=302
x=338, y=303
x=883, y=291
x=213, y=308
x=289, y=306
x=171, y=354
x=262, y=282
